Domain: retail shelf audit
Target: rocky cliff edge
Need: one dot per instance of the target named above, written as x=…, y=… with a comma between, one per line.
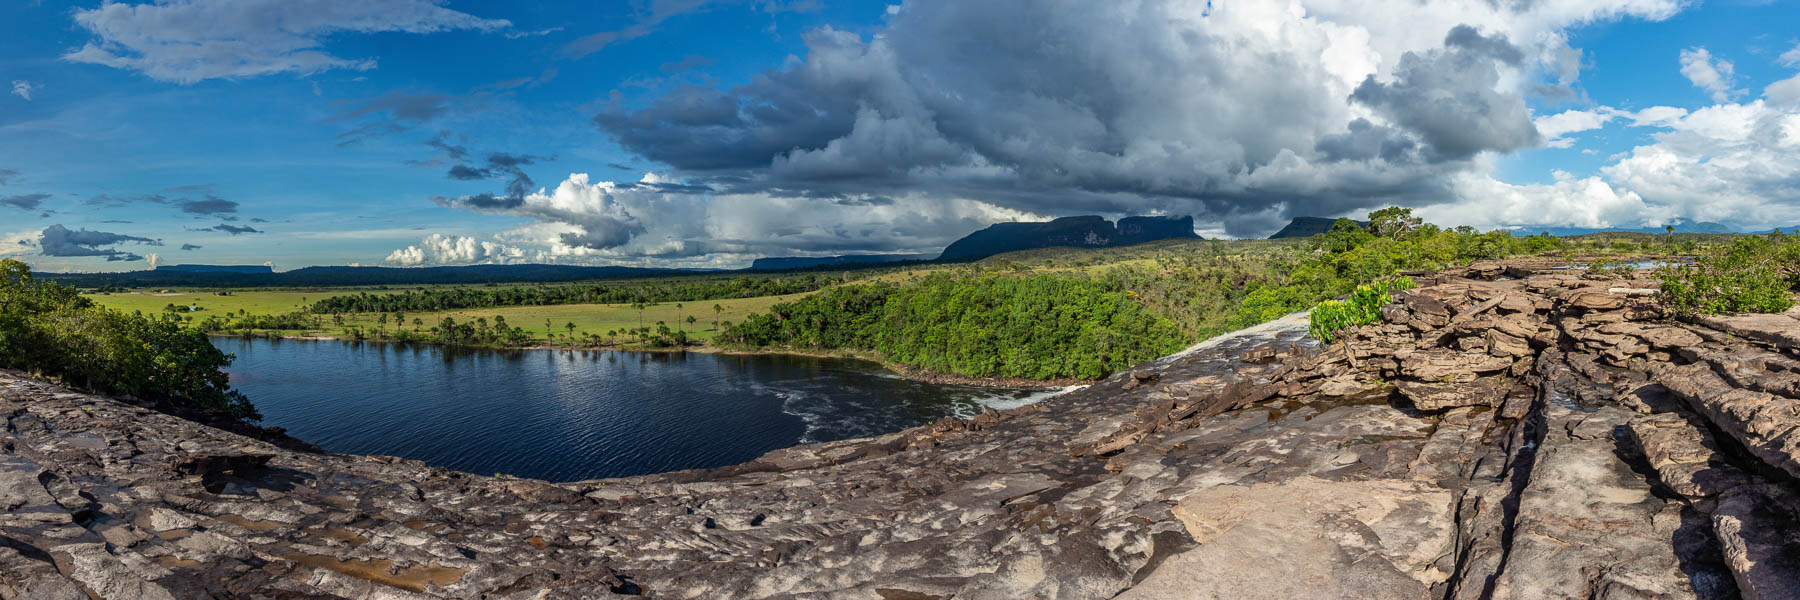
x=1505, y=432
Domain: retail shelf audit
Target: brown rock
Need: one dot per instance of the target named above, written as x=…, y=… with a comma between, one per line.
x=1485, y=391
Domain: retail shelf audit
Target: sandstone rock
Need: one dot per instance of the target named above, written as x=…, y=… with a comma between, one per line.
x=1447, y=366
x=1249, y=466
x=1484, y=391
x=1759, y=528
x=1308, y=537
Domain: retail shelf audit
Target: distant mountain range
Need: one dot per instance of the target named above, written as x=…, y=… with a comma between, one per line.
x=1680, y=227
x=215, y=269
x=1310, y=226
x=787, y=263
x=1079, y=232
x=1307, y=227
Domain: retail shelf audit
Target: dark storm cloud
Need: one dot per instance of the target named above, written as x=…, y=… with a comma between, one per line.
x=190, y=247
x=57, y=240
x=498, y=165
x=24, y=201
x=211, y=205
x=1447, y=98
x=1069, y=107
x=488, y=202
x=468, y=173
x=232, y=229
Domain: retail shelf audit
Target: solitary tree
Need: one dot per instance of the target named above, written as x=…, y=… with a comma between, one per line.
x=716, y=310
x=571, y=327
x=1393, y=221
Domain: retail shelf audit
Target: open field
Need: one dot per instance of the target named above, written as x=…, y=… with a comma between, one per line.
x=588, y=318
x=256, y=302
x=1179, y=279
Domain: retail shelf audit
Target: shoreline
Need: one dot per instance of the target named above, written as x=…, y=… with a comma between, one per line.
x=900, y=370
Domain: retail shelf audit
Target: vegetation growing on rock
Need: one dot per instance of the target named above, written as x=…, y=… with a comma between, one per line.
x=1362, y=307
x=1751, y=274
x=1040, y=327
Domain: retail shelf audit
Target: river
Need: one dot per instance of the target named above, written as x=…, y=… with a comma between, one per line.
x=565, y=415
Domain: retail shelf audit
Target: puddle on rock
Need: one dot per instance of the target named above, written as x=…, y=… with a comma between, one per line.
x=381, y=570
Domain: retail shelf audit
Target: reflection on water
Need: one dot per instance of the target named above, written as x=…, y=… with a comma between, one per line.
x=571, y=415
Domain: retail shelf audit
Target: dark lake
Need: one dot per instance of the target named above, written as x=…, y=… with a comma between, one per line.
x=572, y=415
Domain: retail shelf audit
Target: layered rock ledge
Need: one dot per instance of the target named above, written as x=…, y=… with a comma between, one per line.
x=1505, y=432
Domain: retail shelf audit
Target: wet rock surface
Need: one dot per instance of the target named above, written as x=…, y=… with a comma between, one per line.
x=1506, y=431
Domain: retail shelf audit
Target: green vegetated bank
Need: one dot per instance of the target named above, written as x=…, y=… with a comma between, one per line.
x=1751, y=274
x=1016, y=318
x=49, y=329
x=1039, y=327
x=438, y=299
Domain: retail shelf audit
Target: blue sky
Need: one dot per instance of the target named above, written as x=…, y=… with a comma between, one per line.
x=711, y=132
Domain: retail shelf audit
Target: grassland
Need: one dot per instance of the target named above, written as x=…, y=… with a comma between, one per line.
x=1197, y=283
x=595, y=319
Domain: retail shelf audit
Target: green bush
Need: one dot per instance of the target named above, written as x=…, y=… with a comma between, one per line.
x=1040, y=327
x=47, y=328
x=1362, y=307
x=1752, y=274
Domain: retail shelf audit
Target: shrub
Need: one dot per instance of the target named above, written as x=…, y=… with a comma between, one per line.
x=1361, y=307
x=1753, y=274
x=47, y=328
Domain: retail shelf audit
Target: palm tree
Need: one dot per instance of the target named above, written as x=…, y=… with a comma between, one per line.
x=716, y=310
x=571, y=327
x=677, y=316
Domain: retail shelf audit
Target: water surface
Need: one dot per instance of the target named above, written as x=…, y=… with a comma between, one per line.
x=572, y=415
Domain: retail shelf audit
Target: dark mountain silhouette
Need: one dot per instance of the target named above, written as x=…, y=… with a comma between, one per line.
x=1307, y=227
x=1680, y=227
x=783, y=263
x=1081, y=232
x=215, y=269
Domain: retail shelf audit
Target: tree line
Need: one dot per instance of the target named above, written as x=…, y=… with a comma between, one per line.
x=1088, y=323
x=1039, y=327
x=439, y=299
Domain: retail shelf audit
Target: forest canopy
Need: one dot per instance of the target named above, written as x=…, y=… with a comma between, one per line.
x=47, y=328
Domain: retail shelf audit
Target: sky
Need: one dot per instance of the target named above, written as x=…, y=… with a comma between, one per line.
x=708, y=133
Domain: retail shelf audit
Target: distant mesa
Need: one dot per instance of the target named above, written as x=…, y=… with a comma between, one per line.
x=241, y=269
x=1681, y=226
x=783, y=263
x=1080, y=232
x=1302, y=227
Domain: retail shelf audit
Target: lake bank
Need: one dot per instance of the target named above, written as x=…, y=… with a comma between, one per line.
x=571, y=415
x=895, y=368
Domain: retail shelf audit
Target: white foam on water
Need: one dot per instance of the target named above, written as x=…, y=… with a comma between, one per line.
x=1287, y=324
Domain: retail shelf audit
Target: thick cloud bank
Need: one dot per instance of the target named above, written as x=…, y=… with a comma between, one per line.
x=1241, y=113
x=57, y=240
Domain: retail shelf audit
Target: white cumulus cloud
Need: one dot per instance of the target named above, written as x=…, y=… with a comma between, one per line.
x=1709, y=73
x=439, y=249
